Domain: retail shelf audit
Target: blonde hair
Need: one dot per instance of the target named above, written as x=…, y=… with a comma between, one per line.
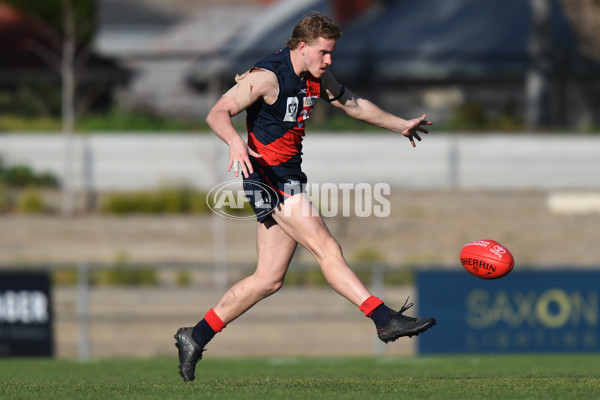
x=312, y=27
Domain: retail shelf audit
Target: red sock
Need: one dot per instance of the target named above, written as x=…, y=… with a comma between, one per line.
x=214, y=321
x=369, y=305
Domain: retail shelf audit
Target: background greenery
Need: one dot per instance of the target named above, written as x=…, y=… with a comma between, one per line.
x=470, y=117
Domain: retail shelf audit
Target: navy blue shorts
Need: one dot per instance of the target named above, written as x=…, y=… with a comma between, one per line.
x=265, y=188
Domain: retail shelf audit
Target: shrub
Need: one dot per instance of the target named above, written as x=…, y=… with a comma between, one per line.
x=124, y=276
x=21, y=176
x=6, y=200
x=68, y=277
x=309, y=277
x=122, y=273
x=183, y=278
x=368, y=254
x=199, y=204
x=179, y=200
x=31, y=201
x=472, y=115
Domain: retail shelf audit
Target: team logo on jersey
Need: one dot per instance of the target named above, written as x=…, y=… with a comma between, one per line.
x=291, y=110
x=310, y=101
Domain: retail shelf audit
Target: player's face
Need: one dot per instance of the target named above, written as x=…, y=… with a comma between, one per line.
x=317, y=56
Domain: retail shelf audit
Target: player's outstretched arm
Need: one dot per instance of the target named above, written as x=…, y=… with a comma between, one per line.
x=365, y=110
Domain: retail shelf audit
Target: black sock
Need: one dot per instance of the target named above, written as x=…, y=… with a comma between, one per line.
x=382, y=315
x=202, y=333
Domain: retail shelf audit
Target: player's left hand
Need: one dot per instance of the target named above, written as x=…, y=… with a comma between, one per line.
x=414, y=126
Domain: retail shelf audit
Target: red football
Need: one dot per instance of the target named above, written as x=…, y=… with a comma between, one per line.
x=486, y=259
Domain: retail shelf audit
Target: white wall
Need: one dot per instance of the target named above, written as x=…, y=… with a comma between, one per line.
x=493, y=161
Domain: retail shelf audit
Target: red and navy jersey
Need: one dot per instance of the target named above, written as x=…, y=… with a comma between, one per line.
x=276, y=131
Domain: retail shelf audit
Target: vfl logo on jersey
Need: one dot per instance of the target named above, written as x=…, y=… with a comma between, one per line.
x=310, y=101
x=291, y=109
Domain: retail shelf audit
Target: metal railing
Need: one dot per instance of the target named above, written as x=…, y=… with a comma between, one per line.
x=90, y=318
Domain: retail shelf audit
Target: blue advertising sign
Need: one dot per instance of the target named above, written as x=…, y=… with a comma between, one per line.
x=25, y=314
x=529, y=311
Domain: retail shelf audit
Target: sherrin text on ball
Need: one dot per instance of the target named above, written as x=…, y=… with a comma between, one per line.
x=486, y=259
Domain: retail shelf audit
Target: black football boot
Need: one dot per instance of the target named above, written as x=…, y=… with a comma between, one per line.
x=189, y=353
x=401, y=325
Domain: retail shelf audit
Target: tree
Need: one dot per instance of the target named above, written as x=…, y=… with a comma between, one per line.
x=539, y=75
x=584, y=16
x=67, y=31
x=50, y=13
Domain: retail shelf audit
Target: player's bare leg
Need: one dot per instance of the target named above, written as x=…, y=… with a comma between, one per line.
x=299, y=218
x=275, y=250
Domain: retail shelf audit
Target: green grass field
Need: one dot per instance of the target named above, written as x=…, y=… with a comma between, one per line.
x=440, y=377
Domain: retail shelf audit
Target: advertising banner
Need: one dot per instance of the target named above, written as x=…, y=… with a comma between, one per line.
x=25, y=314
x=529, y=311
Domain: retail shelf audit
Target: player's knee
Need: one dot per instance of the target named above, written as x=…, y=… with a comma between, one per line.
x=270, y=286
x=329, y=248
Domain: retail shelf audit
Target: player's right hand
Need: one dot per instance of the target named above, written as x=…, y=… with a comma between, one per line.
x=239, y=159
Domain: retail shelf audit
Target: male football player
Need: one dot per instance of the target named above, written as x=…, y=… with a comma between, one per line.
x=278, y=94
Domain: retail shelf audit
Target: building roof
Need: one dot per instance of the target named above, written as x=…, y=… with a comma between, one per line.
x=444, y=39
x=398, y=40
x=115, y=14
